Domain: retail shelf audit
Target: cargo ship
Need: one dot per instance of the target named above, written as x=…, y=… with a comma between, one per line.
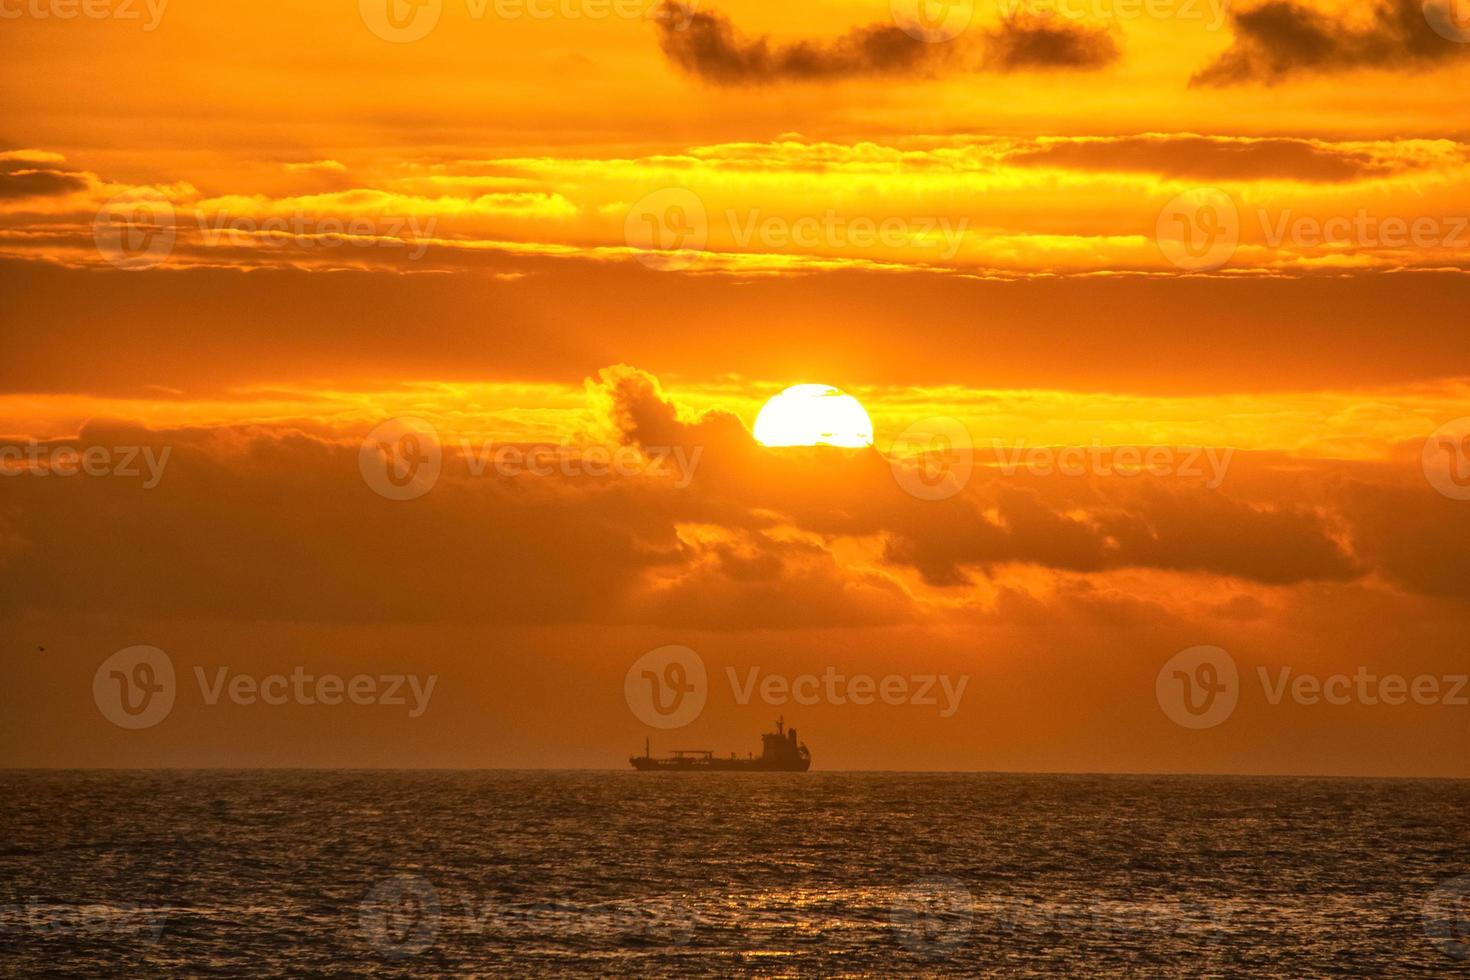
x=780, y=752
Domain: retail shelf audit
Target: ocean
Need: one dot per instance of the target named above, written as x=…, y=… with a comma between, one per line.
x=534, y=874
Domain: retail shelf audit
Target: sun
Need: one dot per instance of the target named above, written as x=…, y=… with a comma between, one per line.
x=813, y=415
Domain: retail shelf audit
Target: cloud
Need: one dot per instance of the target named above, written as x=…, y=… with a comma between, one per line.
x=1216, y=158
x=1281, y=38
x=1034, y=41
x=13, y=159
x=706, y=44
x=986, y=205
x=39, y=183
x=315, y=166
x=275, y=522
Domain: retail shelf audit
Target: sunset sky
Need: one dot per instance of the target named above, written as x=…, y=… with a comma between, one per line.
x=248, y=235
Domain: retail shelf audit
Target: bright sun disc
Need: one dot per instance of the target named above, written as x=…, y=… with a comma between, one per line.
x=813, y=415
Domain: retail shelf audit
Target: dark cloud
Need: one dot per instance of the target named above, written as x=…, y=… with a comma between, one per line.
x=1025, y=42
x=276, y=523
x=38, y=183
x=706, y=44
x=1415, y=537
x=1204, y=158
x=1281, y=38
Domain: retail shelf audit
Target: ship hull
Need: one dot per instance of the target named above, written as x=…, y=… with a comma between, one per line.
x=643, y=764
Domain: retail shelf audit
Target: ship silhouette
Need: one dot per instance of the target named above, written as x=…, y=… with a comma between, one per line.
x=780, y=752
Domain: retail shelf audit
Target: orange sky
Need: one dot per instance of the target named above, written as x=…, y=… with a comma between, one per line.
x=247, y=236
